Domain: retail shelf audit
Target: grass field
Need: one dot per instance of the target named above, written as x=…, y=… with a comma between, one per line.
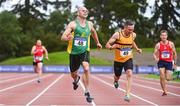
x=56, y=58
x=153, y=76
x=152, y=50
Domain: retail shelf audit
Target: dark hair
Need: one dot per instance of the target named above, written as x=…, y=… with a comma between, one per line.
x=128, y=22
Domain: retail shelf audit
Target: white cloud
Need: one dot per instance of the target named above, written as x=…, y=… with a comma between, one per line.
x=76, y=3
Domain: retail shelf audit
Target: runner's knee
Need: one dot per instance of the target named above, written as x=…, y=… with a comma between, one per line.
x=86, y=69
x=162, y=76
x=117, y=73
x=129, y=73
x=74, y=74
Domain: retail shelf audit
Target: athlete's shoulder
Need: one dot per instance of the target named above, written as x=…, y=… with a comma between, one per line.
x=90, y=23
x=34, y=46
x=116, y=35
x=171, y=43
x=157, y=45
x=43, y=46
x=72, y=24
x=134, y=34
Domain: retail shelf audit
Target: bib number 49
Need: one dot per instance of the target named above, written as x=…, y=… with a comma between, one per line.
x=125, y=53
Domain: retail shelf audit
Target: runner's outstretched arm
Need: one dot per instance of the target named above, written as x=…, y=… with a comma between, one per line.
x=67, y=33
x=110, y=44
x=95, y=36
x=46, y=53
x=32, y=50
x=137, y=49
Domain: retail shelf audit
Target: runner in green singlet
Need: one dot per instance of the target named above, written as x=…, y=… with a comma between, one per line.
x=78, y=34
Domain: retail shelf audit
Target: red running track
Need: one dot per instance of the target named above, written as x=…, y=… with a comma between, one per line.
x=56, y=90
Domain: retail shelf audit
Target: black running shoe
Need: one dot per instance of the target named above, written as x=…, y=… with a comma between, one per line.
x=38, y=81
x=164, y=94
x=116, y=85
x=88, y=97
x=75, y=83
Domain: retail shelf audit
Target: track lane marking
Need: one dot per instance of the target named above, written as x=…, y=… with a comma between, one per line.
x=122, y=80
x=156, y=83
x=93, y=103
x=41, y=93
x=27, y=76
x=20, y=84
x=10, y=76
x=106, y=83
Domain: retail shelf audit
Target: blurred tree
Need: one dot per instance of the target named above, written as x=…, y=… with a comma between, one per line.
x=57, y=21
x=10, y=36
x=166, y=15
x=110, y=15
x=30, y=11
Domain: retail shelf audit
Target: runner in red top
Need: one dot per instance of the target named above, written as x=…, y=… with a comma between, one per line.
x=164, y=55
x=38, y=51
x=165, y=52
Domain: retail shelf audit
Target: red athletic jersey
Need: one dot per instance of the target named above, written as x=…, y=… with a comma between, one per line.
x=165, y=52
x=38, y=54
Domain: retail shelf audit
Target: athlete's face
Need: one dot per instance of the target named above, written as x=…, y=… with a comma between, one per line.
x=129, y=29
x=163, y=36
x=38, y=43
x=83, y=12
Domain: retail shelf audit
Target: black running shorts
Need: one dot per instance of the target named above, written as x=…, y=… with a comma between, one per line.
x=77, y=59
x=165, y=64
x=118, y=66
x=35, y=63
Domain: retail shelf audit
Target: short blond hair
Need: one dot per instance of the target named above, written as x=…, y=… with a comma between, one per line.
x=163, y=31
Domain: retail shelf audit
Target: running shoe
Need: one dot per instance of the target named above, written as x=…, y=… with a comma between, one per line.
x=116, y=85
x=164, y=94
x=38, y=81
x=75, y=83
x=127, y=98
x=88, y=97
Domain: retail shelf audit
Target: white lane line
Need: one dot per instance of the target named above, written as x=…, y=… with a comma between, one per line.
x=20, y=84
x=157, y=83
x=125, y=91
x=146, y=87
x=28, y=104
x=9, y=76
x=155, y=80
x=93, y=103
x=11, y=79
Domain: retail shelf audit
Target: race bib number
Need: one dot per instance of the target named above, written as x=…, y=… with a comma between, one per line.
x=39, y=58
x=165, y=55
x=80, y=42
x=125, y=52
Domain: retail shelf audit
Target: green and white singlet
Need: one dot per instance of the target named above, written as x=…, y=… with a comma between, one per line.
x=81, y=39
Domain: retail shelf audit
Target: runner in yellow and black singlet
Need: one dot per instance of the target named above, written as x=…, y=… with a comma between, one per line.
x=123, y=42
x=124, y=51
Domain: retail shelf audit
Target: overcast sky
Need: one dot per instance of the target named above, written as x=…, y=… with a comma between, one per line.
x=76, y=3
x=7, y=5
